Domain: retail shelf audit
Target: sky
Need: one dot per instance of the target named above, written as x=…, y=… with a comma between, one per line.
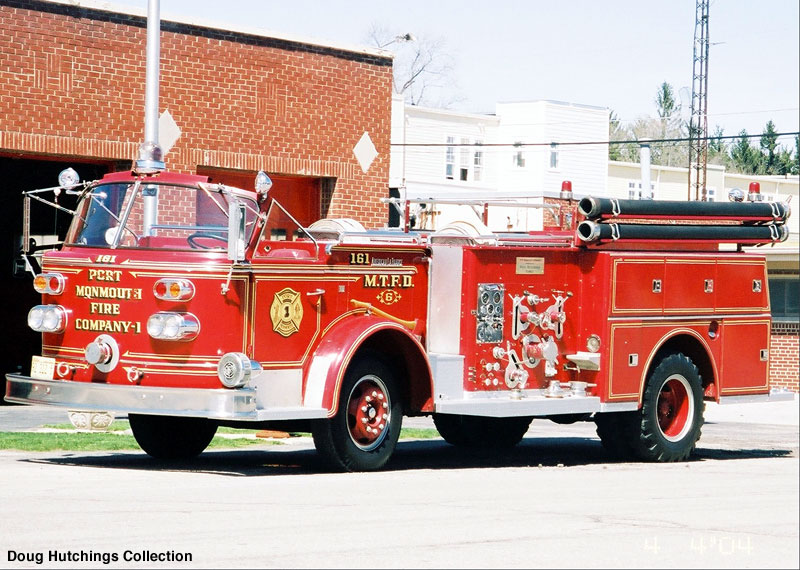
x=613, y=53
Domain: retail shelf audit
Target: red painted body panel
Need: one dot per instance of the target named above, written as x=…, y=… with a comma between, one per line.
x=744, y=357
x=116, y=298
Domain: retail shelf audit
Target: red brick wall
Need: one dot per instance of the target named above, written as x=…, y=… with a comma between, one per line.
x=73, y=84
x=784, y=356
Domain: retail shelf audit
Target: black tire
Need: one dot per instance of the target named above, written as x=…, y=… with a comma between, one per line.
x=672, y=411
x=481, y=432
x=168, y=437
x=363, y=434
x=616, y=432
x=668, y=425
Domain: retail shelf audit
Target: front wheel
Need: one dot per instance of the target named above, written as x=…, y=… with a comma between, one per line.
x=363, y=434
x=168, y=437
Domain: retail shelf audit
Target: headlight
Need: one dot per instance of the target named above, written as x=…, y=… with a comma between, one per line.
x=235, y=369
x=48, y=318
x=35, y=317
x=593, y=343
x=173, y=326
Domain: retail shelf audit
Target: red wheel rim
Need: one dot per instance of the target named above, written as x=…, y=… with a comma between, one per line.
x=674, y=409
x=368, y=412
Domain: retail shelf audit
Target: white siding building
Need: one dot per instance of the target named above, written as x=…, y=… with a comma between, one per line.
x=522, y=152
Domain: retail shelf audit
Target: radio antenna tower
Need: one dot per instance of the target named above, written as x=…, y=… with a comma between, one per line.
x=698, y=123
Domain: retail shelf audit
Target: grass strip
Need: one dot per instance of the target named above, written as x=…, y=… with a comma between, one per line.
x=69, y=439
x=99, y=441
x=124, y=425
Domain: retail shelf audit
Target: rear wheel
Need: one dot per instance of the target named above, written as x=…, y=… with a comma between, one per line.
x=672, y=411
x=668, y=425
x=363, y=434
x=480, y=431
x=167, y=437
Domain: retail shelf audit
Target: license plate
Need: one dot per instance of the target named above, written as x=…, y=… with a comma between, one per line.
x=43, y=367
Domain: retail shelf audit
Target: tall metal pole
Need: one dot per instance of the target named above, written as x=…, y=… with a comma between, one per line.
x=150, y=155
x=644, y=154
x=698, y=123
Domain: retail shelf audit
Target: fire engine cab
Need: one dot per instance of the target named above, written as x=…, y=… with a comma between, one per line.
x=186, y=305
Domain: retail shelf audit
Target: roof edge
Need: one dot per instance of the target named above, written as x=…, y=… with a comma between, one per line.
x=110, y=7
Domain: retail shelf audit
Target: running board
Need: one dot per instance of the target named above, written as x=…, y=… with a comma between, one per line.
x=780, y=395
x=507, y=406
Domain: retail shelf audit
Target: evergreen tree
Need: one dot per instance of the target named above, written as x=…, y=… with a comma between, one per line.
x=669, y=125
x=616, y=132
x=768, y=161
x=744, y=158
x=717, y=149
x=665, y=100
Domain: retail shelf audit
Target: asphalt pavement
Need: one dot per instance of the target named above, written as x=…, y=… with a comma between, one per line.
x=554, y=501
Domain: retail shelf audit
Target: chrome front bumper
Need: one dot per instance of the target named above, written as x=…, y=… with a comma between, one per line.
x=221, y=404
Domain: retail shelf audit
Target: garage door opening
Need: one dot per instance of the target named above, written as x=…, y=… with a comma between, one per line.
x=48, y=225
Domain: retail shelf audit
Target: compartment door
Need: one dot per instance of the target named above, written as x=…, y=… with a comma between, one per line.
x=745, y=357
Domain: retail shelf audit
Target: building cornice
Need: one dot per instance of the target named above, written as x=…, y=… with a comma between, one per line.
x=112, y=8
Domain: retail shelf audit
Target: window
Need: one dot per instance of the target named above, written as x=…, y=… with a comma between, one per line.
x=553, y=155
x=450, y=158
x=477, y=162
x=784, y=296
x=464, y=170
x=126, y=215
x=711, y=194
x=519, y=158
x=635, y=191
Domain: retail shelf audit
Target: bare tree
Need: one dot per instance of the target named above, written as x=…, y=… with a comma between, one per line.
x=668, y=125
x=423, y=68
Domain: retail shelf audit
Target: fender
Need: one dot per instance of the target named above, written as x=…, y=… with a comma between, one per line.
x=336, y=351
x=701, y=342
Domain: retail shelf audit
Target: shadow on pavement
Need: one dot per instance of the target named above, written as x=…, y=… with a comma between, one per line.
x=409, y=455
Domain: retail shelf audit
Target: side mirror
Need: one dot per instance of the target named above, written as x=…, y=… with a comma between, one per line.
x=236, y=230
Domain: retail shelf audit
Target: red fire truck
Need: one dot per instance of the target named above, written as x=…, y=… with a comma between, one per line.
x=186, y=305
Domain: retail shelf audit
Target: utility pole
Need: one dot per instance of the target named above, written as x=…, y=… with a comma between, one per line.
x=698, y=123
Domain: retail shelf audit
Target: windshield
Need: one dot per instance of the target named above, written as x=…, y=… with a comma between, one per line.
x=142, y=215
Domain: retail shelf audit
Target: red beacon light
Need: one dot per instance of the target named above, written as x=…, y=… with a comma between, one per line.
x=754, y=194
x=566, y=190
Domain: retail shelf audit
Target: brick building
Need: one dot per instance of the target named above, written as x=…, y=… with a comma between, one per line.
x=73, y=76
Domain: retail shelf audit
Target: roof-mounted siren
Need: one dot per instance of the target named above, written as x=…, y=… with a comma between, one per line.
x=754, y=194
x=67, y=179
x=736, y=195
x=151, y=159
x=566, y=190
